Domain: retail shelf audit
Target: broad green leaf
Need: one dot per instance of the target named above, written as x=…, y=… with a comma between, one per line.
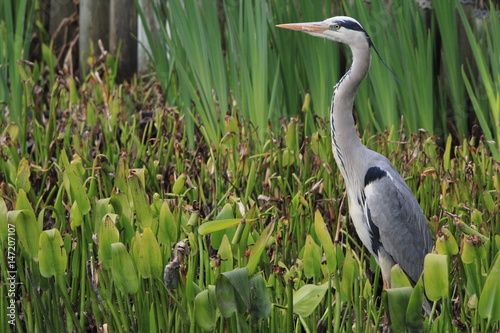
x=123, y=270
x=224, y=223
x=122, y=172
x=147, y=254
x=76, y=216
x=74, y=187
x=140, y=199
x=489, y=302
x=27, y=230
x=326, y=241
x=259, y=247
x=168, y=229
x=311, y=259
x=473, y=249
x=225, y=297
x=260, y=301
x=399, y=278
x=414, y=320
x=108, y=234
x=436, y=277
x=121, y=206
x=349, y=273
x=226, y=255
x=52, y=255
x=446, y=243
x=102, y=207
x=179, y=183
x=307, y=298
x=204, y=311
x=23, y=175
x=3, y=221
x=397, y=299
x=239, y=280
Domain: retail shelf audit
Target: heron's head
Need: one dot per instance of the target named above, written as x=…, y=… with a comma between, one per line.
x=341, y=29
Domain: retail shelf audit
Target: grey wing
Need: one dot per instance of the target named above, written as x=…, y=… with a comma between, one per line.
x=396, y=218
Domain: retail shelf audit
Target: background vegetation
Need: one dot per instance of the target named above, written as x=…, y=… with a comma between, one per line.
x=191, y=201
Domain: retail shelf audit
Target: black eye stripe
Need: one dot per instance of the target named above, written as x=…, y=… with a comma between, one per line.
x=350, y=25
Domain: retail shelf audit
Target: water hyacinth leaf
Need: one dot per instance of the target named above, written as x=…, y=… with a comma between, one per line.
x=349, y=273
x=446, y=243
x=102, y=207
x=3, y=221
x=179, y=183
x=74, y=187
x=52, y=255
x=326, y=241
x=214, y=226
x=260, y=301
x=226, y=255
x=397, y=299
x=121, y=206
x=168, y=229
x=307, y=298
x=259, y=247
x=239, y=280
x=225, y=297
x=108, y=234
x=76, y=216
x=414, y=321
x=218, y=228
x=399, y=278
x=147, y=254
x=311, y=259
x=27, y=230
x=123, y=270
x=489, y=301
x=140, y=199
x=473, y=249
x=23, y=175
x=204, y=311
x=122, y=172
x=436, y=274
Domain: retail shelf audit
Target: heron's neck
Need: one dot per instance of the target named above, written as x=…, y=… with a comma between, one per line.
x=344, y=138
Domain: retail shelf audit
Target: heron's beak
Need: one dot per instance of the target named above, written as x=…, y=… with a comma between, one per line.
x=309, y=27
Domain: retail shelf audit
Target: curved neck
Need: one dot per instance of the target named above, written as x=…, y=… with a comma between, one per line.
x=344, y=137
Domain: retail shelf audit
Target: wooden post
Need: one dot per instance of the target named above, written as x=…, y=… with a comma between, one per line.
x=122, y=38
x=94, y=25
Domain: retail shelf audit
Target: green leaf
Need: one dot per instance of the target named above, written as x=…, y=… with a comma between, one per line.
x=23, y=175
x=204, y=311
x=147, y=254
x=446, y=243
x=27, y=230
x=436, y=281
x=312, y=259
x=213, y=226
x=349, y=272
x=168, y=230
x=307, y=298
x=259, y=247
x=224, y=220
x=226, y=255
x=74, y=187
x=397, y=299
x=123, y=270
x=225, y=297
x=3, y=221
x=399, y=278
x=414, y=320
x=260, y=301
x=489, y=302
x=140, y=199
x=239, y=280
x=473, y=249
x=108, y=234
x=51, y=253
x=326, y=241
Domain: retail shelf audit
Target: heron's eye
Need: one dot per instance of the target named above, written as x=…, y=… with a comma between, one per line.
x=335, y=26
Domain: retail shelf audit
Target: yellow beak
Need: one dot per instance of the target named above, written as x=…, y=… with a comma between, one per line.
x=314, y=27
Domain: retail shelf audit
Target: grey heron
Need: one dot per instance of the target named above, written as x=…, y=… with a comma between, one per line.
x=385, y=213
